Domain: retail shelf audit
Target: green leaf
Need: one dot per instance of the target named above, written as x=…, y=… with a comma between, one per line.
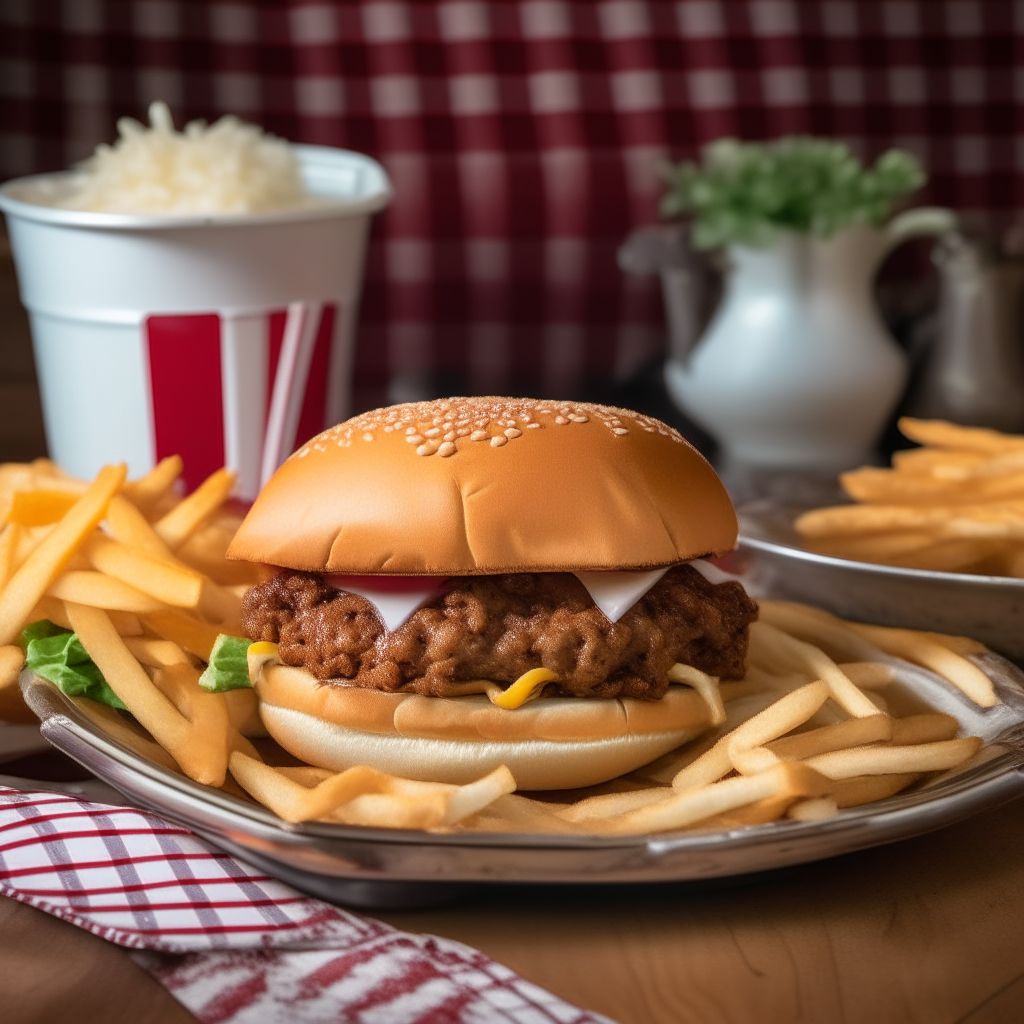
x=58, y=655
x=229, y=666
x=746, y=192
x=39, y=630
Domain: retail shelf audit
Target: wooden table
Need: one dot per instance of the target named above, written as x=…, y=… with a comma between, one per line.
x=928, y=930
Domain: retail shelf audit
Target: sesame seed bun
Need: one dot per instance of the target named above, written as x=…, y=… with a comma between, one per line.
x=466, y=486
x=550, y=743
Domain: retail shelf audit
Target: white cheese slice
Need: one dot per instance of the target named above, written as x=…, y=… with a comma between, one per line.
x=394, y=606
x=613, y=592
x=616, y=592
x=711, y=572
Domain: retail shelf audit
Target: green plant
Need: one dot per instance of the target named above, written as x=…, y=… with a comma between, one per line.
x=747, y=192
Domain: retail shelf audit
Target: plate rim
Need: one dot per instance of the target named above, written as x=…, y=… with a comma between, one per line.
x=982, y=787
x=780, y=548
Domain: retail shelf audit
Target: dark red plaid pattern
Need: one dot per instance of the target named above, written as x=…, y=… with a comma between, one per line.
x=523, y=138
x=235, y=946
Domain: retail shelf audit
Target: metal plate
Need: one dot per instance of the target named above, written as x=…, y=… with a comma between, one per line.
x=988, y=608
x=378, y=867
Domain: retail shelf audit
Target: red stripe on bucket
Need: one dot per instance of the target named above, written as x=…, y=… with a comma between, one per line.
x=185, y=384
x=275, y=339
x=314, y=406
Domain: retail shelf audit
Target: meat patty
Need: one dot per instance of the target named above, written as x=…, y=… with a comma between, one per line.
x=498, y=627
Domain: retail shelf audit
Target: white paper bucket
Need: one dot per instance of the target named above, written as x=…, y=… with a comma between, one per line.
x=227, y=339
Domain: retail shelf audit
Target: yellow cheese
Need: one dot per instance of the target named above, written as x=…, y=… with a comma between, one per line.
x=262, y=647
x=516, y=695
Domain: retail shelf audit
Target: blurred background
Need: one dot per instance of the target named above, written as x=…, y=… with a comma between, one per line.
x=524, y=141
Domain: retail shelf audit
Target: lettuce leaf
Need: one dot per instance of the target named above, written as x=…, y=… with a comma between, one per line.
x=229, y=666
x=57, y=654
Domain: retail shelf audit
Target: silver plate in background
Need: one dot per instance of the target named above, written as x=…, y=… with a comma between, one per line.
x=988, y=608
x=393, y=867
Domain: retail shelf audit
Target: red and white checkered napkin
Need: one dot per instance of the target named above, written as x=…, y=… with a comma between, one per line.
x=234, y=945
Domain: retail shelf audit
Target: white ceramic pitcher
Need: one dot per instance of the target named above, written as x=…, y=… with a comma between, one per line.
x=796, y=369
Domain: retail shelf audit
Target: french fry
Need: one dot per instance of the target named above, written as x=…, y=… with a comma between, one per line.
x=611, y=804
x=854, y=732
x=244, y=712
x=132, y=529
x=175, y=527
x=886, y=760
x=147, y=492
x=367, y=796
x=818, y=627
x=705, y=685
x=181, y=588
x=941, y=434
x=205, y=551
x=32, y=579
x=102, y=591
x=868, y=675
x=185, y=630
x=690, y=806
x=814, y=809
x=12, y=660
x=816, y=663
x=922, y=650
x=890, y=487
x=190, y=746
x=776, y=720
x=873, y=547
x=994, y=521
x=865, y=789
x=40, y=508
x=129, y=526
x=927, y=728
x=126, y=677
x=126, y=623
x=9, y=537
x=156, y=653
x=12, y=707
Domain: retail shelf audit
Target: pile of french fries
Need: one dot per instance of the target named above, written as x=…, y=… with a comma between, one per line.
x=954, y=505
x=139, y=574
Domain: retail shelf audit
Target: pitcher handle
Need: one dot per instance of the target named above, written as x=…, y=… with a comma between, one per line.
x=921, y=220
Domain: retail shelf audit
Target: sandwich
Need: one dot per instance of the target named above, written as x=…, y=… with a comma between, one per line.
x=473, y=582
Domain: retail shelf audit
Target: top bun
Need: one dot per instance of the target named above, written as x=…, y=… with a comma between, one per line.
x=468, y=486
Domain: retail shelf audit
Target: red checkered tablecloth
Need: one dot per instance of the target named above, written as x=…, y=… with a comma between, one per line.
x=235, y=946
x=523, y=138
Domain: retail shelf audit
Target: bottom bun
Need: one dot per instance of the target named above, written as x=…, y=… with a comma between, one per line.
x=535, y=764
x=550, y=743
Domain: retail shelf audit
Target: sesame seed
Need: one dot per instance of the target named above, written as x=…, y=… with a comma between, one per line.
x=367, y=437
x=450, y=436
x=432, y=432
x=446, y=449
x=497, y=442
x=532, y=426
x=426, y=449
x=462, y=432
x=619, y=431
x=414, y=438
x=447, y=426
x=478, y=435
x=579, y=419
x=513, y=432
x=411, y=430
x=561, y=419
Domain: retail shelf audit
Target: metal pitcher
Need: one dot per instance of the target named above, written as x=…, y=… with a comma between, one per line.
x=974, y=371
